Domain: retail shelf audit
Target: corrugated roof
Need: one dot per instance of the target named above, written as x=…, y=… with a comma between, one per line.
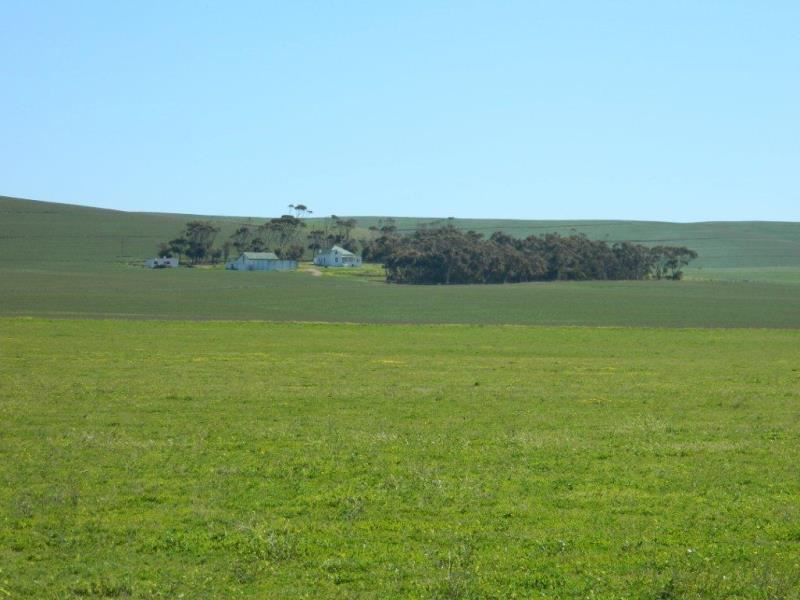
x=341, y=251
x=260, y=255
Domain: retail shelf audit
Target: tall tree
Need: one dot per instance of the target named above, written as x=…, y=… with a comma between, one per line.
x=316, y=239
x=242, y=238
x=178, y=246
x=200, y=236
x=283, y=232
x=300, y=210
x=668, y=261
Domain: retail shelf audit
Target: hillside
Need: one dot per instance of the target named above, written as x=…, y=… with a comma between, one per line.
x=33, y=232
x=59, y=260
x=719, y=244
x=36, y=233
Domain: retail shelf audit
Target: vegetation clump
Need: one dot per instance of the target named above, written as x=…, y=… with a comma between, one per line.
x=440, y=255
x=196, y=242
x=451, y=256
x=285, y=236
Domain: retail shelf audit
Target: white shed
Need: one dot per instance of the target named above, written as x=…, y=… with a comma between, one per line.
x=161, y=263
x=337, y=257
x=261, y=261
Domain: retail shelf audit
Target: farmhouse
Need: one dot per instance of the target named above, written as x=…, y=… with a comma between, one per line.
x=337, y=257
x=261, y=261
x=161, y=263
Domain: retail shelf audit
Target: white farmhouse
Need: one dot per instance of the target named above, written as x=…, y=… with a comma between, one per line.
x=261, y=261
x=337, y=257
x=161, y=263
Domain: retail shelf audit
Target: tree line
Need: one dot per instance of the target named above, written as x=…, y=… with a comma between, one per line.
x=287, y=236
x=448, y=255
x=440, y=254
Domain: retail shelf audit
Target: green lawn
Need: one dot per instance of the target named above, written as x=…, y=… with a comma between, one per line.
x=209, y=459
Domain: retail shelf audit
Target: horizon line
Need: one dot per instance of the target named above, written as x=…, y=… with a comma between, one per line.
x=416, y=217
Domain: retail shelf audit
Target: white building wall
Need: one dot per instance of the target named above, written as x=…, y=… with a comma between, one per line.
x=243, y=264
x=153, y=263
x=333, y=259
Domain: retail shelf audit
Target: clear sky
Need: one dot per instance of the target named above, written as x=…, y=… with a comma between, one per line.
x=658, y=110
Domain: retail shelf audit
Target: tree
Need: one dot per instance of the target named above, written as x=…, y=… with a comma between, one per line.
x=178, y=246
x=344, y=227
x=632, y=261
x=382, y=244
x=258, y=244
x=300, y=210
x=195, y=241
x=384, y=226
x=226, y=250
x=291, y=252
x=200, y=237
x=164, y=250
x=668, y=261
x=282, y=232
x=242, y=238
x=316, y=239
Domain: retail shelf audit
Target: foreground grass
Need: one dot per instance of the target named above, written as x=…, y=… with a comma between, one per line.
x=211, y=459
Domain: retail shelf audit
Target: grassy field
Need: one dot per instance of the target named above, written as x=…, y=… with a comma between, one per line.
x=323, y=434
x=135, y=292
x=68, y=261
x=33, y=233
x=780, y=275
x=316, y=460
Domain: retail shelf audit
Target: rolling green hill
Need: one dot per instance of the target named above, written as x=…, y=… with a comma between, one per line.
x=160, y=439
x=33, y=232
x=719, y=244
x=44, y=233
x=59, y=260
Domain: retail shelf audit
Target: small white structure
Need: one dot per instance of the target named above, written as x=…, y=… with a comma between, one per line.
x=337, y=257
x=161, y=263
x=261, y=261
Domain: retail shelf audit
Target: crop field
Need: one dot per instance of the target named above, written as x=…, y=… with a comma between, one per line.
x=213, y=459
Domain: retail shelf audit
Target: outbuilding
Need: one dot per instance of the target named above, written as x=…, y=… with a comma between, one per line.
x=337, y=257
x=162, y=262
x=261, y=261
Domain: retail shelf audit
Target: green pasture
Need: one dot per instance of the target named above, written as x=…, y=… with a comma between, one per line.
x=209, y=459
x=356, y=296
x=60, y=260
x=33, y=233
x=780, y=275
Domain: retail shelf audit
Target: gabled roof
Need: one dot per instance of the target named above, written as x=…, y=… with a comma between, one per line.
x=260, y=255
x=341, y=251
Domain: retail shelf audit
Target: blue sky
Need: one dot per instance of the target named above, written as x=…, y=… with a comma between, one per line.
x=674, y=110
